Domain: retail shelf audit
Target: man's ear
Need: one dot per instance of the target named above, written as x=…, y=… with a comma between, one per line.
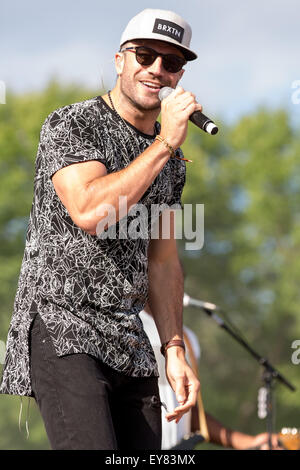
x=119, y=62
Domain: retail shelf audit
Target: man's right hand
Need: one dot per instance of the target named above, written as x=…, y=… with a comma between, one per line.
x=175, y=112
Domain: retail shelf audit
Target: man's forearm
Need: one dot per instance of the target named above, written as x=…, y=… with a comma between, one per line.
x=130, y=182
x=165, y=297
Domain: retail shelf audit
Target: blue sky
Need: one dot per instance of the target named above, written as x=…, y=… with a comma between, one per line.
x=248, y=52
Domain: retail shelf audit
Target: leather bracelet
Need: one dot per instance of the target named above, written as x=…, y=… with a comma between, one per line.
x=169, y=344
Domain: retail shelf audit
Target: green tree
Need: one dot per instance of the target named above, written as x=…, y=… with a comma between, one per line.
x=248, y=179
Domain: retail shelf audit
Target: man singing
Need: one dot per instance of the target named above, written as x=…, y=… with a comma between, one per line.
x=76, y=343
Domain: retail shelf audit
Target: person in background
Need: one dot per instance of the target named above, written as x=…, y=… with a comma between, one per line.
x=172, y=432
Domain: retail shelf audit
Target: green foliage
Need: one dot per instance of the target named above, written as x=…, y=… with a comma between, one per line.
x=247, y=176
x=248, y=179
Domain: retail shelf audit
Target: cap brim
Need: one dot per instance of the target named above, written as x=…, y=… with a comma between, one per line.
x=188, y=54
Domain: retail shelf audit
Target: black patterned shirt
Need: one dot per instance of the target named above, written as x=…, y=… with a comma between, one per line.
x=87, y=289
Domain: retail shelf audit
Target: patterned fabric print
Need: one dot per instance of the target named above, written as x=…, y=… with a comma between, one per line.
x=88, y=291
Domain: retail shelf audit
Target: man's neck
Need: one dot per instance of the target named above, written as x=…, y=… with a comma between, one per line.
x=142, y=120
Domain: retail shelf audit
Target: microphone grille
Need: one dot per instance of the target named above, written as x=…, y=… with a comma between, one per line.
x=165, y=92
x=186, y=300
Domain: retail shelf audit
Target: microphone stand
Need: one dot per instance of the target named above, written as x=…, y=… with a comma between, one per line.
x=269, y=372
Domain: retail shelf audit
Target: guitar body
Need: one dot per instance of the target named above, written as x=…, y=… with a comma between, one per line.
x=189, y=442
x=290, y=438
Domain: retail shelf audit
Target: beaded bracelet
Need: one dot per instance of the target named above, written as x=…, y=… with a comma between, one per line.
x=170, y=148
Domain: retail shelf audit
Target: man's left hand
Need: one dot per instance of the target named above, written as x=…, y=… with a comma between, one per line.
x=182, y=380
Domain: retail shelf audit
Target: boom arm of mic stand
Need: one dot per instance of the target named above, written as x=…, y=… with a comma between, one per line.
x=270, y=373
x=261, y=360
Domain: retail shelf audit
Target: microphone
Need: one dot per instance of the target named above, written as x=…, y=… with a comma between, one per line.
x=198, y=118
x=208, y=308
x=190, y=302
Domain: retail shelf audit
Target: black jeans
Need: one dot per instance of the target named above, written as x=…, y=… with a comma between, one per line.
x=87, y=405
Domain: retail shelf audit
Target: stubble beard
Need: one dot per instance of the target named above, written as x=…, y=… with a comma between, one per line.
x=131, y=95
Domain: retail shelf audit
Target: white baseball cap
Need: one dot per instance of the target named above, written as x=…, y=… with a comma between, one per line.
x=162, y=25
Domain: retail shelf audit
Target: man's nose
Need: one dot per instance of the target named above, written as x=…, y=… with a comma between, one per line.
x=157, y=67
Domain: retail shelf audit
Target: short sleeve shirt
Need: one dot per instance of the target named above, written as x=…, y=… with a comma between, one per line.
x=88, y=290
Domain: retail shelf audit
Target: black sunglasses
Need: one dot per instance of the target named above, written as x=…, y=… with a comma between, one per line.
x=146, y=56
